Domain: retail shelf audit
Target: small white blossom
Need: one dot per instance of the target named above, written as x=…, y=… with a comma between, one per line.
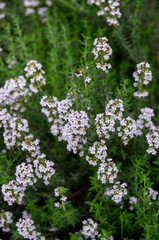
x=104, y=124
x=25, y=175
x=44, y=168
x=127, y=129
x=89, y=229
x=153, y=141
x=116, y=192
x=107, y=171
x=5, y=220
x=97, y=152
x=116, y=108
x=132, y=201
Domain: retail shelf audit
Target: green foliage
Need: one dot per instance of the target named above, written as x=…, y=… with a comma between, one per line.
x=63, y=45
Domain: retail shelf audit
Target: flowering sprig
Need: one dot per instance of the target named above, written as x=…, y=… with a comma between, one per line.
x=31, y=147
x=151, y=193
x=102, y=52
x=107, y=171
x=60, y=192
x=27, y=230
x=142, y=77
x=105, y=123
x=116, y=192
x=13, y=192
x=84, y=73
x=116, y=108
x=97, y=153
x=68, y=125
x=35, y=74
x=152, y=138
x=110, y=11
x=127, y=129
x=89, y=229
x=18, y=90
x=5, y=220
x=15, y=129
x=44, y=168
x=25, y=175
x=33, y=6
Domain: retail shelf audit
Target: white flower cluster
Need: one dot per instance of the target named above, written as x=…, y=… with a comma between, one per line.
x=99, y=152
x=14, y=130
x=116, y=108
x=110, y=11
x=33, y=5
x=132, y=201
x=17, y=91
x=56, y=111
x=102, y=52
x=145, y=120
x=13, y=192
x=35, y=73
x=14, y=92
x=127, y=129
x=68, y=125
x=89, y=229
x=5, y=220
x=30, y=6
x=2, y=8
x=116, y=192
x=152, y=194
x=142, y=77
x=107, y=171
x=31, y=147
x=104, y=124
x=44, y=168
x=83, y=73
x=25, y=175
x=27, y=230
x=153, y=141
x=16, y=135
x=74, y=131
x=60, y=192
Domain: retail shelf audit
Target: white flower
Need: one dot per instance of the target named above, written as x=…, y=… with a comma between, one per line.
x=127, y=129
x=117, y=192
x=27, y=230
x=107, y=171
x=25, y=175
x=5, y=220
x=13, y=192
x=142, y=77
x=98, y=152
x=89, y=229
x=116, y=108
x=104, y=124
x=102, y=52
x=44, y=168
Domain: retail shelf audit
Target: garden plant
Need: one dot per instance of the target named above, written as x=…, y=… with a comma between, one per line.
x=79, y=119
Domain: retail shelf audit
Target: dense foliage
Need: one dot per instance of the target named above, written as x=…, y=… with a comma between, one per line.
x=79, y=119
